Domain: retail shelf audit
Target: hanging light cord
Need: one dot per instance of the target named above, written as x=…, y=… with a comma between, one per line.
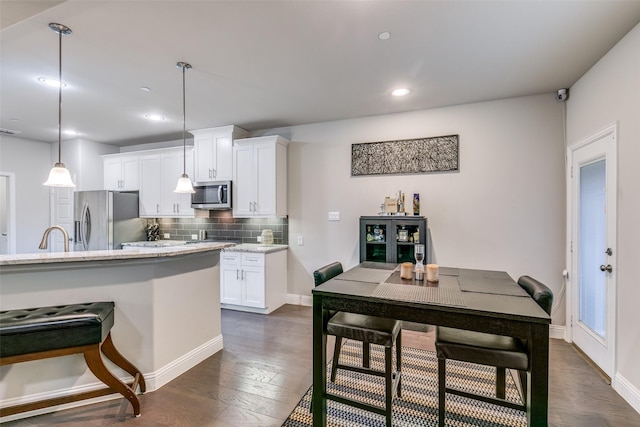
x=60, y=97
x=184, y=123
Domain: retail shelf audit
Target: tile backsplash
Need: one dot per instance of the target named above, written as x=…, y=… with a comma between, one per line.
x=221, y=225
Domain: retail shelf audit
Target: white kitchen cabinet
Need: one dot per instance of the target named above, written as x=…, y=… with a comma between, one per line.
x=251, y=281
x=260, y=177
x=159, y=173
x=213, y=153
x=121, y=172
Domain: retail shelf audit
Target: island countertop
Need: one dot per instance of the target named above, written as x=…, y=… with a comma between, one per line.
x=110, y=255
x=256, y=247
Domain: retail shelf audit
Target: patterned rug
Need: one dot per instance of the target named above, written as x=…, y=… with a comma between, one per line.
x=418, y=406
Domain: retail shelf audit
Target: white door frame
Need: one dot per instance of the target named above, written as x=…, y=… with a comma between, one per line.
x=611, y=130
x=11, y=212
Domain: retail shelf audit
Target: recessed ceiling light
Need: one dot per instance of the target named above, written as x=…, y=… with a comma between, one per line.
x=145, y=89
x=71, y=132
x=154, y=117
x=385, y=35
x=51, y=82
x=400, y=92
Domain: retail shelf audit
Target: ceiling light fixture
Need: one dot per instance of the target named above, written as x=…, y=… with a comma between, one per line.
x=154, y=117
x=184, y=183
x=385, y=35
x=400, y=92
x=59, y=175
x=51, y=82
x=71, y=132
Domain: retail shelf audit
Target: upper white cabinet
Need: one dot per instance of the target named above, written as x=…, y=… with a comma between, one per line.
x=121, y=172
x=214, y=152
x=260, y=177
x=159, y=173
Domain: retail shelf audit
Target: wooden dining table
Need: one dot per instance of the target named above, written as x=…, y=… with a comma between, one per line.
x=478, y=300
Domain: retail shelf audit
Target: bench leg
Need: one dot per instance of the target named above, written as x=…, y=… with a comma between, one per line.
x=109, y=350
x=96, y=365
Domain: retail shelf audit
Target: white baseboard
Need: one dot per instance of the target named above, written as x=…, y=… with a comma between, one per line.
x=557, y=332
x=627, y=390
x=295, y=299
x=153, y=380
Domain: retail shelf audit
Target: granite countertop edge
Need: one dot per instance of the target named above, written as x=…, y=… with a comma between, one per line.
x=256, y=247
x=109, y=255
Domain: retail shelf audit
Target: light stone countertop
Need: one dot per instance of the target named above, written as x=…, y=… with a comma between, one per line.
x=110, y=255
x=256, y=247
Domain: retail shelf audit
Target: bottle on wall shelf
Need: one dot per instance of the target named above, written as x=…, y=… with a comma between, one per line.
x=416, y=204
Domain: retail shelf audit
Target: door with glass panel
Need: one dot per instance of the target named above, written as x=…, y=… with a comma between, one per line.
x=593, y=247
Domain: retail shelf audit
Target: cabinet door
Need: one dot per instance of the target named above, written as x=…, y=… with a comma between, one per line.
x=265, y=160
x=244, y=181
x=254, y=283
x=230, y=284
x=130, y=173
x=223, y=159
x=112, y=174
x=150, y=185
x=204, y=155
x=175, y=204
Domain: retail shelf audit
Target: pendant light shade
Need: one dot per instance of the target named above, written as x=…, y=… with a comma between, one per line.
x=184, y=183
x=59, y=175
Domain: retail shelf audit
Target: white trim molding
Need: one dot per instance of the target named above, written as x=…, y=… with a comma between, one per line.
x=627, y=390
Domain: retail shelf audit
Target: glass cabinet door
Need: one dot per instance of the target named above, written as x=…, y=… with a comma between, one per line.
x=376, y=242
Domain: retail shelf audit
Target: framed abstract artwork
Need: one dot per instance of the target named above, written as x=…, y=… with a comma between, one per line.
x=407, y=156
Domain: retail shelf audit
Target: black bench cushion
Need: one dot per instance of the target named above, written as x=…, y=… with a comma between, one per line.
x=360, y=327
x=24, y=331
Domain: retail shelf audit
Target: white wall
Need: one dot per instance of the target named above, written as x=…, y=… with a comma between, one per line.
x=503, y=210
x=609, y=93
x=31, y=162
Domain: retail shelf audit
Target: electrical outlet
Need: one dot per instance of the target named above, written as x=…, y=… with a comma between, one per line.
x=167, y=236
x=194, y=237
x=300, y=240
x=334, y=216
x=259, y=239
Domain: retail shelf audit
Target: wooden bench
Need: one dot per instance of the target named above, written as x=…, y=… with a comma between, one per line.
x=44, y=332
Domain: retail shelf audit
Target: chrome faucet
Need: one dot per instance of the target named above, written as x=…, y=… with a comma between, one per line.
x=65, y=236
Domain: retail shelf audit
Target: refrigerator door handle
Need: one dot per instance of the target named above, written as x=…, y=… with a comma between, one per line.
x=76, y=232
x=85, y=227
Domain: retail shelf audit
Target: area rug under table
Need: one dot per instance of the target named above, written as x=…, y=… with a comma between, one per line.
x=418, y=405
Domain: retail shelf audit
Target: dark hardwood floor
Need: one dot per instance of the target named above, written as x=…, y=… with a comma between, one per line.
x=265, y=368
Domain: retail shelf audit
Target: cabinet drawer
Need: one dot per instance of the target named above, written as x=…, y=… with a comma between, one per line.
x=251, y=258
x=230, y=258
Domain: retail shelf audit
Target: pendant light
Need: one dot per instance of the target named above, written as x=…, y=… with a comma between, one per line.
x=59, y=175
x=184, y=183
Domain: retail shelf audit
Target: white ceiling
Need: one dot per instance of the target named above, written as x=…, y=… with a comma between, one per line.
x=266, y=64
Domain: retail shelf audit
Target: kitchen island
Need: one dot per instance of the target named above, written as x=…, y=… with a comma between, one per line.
x=167, y=313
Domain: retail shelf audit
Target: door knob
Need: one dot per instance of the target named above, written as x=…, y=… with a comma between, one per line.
x=606, y=268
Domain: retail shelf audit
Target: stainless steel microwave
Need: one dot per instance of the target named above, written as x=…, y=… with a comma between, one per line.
x=213, y=195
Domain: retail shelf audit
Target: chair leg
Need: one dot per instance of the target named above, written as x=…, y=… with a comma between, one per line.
x=114, y=355
x=442, y=363
x=366, y=355
x=388, y=376
x=336, y=356
x=500, y=382
x=97, y=366
x=399, y=362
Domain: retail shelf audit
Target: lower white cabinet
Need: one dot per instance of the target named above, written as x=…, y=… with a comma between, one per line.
x=253, y=281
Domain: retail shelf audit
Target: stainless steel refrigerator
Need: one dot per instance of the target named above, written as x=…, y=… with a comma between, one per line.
x=105, y=219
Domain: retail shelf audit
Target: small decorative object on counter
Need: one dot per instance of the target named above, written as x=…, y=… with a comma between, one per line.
x=267, y=237
x=390, y=205
x=153, y=232
x=416, y=204
x=433, y=274
x=406, y=270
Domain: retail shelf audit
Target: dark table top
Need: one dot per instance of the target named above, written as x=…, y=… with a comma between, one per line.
x=482, y=292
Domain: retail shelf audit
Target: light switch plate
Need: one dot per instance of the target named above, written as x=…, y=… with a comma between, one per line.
x=334, y=216
x=300, y=240
x=167, y=236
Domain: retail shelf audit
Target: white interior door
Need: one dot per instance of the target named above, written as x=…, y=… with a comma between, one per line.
x=62, y=216
x=7, y=213
x=593, y=247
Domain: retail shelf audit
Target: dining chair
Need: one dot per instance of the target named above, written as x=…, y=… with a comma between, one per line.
x=487, y=349
x=368, y=330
